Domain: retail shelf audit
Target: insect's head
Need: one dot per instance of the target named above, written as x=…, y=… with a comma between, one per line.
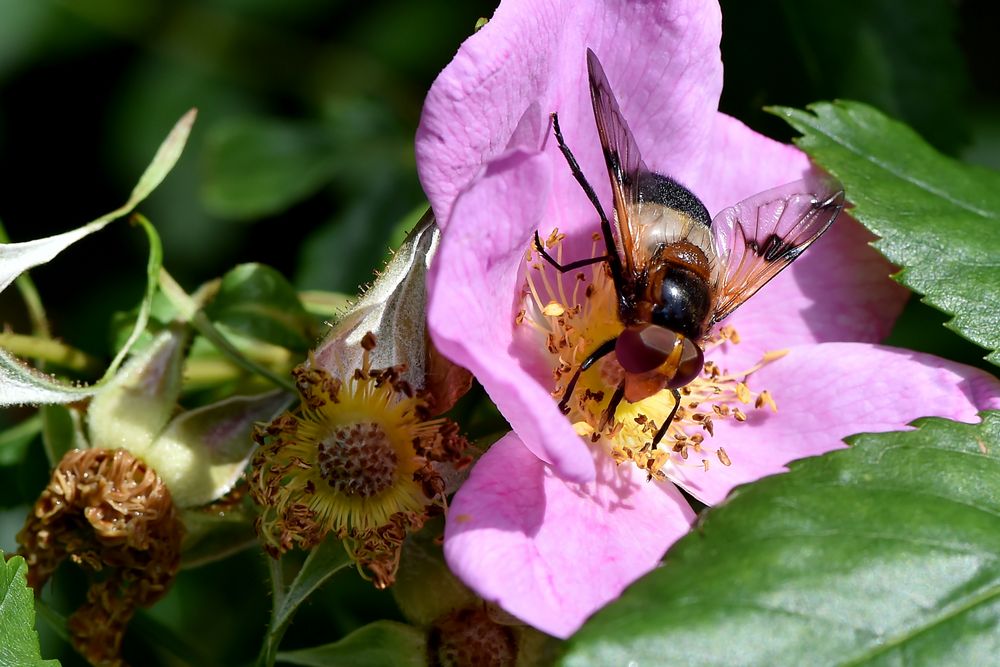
x=646, y=347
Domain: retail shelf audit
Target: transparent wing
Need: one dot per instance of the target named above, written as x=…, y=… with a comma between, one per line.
x=760, y=236
x=625, y=165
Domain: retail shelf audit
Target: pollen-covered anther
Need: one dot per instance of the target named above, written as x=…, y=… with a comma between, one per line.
x=553, y=309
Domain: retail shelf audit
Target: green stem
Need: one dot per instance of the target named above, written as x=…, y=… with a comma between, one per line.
x=47, y=349
x=325, y=560
x=207, y=372
x=191, y=311
x=153, y=265
x=269, y=648
x=325, y=304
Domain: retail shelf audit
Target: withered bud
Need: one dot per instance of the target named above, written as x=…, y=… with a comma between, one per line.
x=469, y=637
x=107, y=512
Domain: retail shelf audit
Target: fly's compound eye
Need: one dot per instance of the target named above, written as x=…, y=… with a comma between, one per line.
x=690, y=365
x=643, y=348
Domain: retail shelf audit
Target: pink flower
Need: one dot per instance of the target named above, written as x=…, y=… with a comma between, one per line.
x=552, y=525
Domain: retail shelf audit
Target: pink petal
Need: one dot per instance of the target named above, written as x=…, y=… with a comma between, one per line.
x=471, y=291
x=839, y=290
x=662, y=59
x=552, y=552
x=827, y=392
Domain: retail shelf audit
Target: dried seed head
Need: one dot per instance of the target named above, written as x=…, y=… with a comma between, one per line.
x=470, y=638
x=106, y=511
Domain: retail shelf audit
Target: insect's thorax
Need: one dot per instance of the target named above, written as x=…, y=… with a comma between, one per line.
x=675, y=290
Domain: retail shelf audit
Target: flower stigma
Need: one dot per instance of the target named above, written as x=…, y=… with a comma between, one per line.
x=568, y=315
x=359, y=458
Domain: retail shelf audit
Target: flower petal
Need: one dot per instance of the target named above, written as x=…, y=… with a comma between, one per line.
x=839, y=290
x=552, y=552
x=827, y=392
x=662, y=59
x=472, y=286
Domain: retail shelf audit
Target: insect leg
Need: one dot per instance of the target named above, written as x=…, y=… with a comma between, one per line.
x=609, y=413
x=609, y=240
x=663, y=429
x=602, y=351
x=563, y=268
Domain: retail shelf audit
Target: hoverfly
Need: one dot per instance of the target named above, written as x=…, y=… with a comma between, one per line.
x=676, y=271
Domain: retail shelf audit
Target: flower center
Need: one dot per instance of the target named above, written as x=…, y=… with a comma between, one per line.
x=358, y=459
x=571, y=314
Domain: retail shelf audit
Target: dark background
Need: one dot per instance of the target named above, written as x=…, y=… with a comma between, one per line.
x=302, y=159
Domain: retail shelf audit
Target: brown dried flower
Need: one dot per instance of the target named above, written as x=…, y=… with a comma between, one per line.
x=359, y=458
x=109, y=513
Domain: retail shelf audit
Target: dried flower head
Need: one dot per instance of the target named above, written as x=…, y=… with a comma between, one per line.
x=108, y=512
x=470, y=636
x=359, y=458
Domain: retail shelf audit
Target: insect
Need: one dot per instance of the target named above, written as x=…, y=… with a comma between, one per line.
x=676, y=271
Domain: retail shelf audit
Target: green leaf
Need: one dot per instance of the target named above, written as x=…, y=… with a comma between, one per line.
x=374, y=645
x=257, y=167
x=18, y=639
x=936, y=218
x=328, y=558
x=256, y=301
x=884, y=553
x=14, y=441
x=212, y=535
x=189, y=309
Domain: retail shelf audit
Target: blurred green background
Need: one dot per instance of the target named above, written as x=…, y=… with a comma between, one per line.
x=302, y=159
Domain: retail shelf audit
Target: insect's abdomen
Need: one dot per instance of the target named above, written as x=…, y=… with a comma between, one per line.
x=679, y=289
x=684, y=303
